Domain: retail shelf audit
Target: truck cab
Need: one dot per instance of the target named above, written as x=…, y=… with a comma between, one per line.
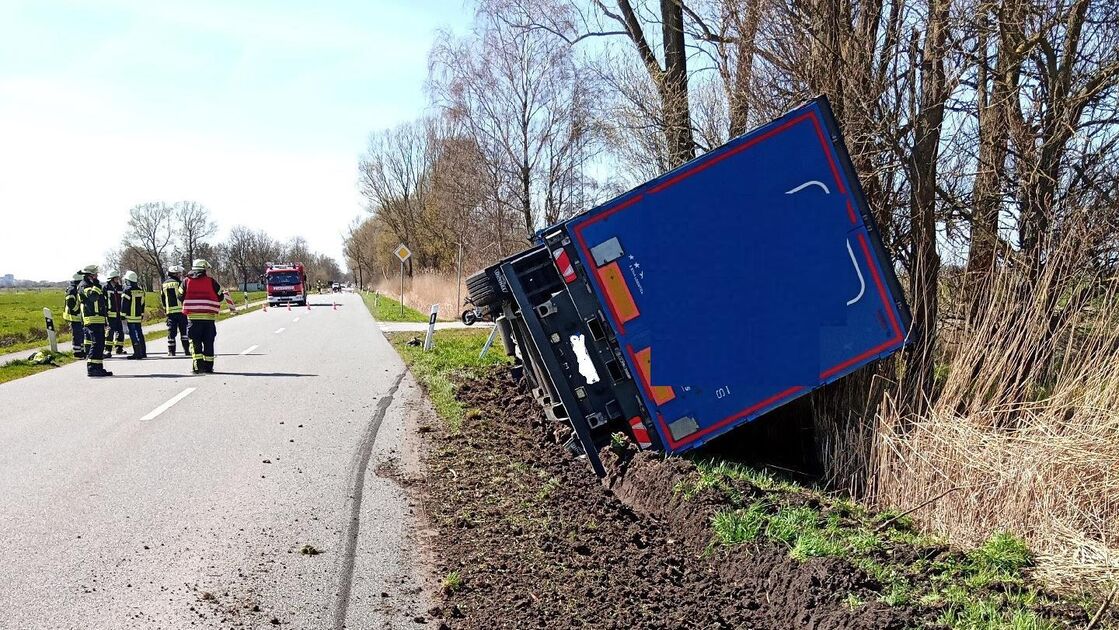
x=285, y=283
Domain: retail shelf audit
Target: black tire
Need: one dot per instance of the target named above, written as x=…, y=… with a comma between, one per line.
x=469, y=318
x=482, y=291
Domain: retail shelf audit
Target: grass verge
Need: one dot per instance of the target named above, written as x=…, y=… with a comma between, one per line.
x=386, y=309
x=989, y=587
x=454, y=359
x=20, y=368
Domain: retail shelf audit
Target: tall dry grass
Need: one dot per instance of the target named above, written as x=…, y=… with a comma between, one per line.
x=1022, y=434
x=425, y=288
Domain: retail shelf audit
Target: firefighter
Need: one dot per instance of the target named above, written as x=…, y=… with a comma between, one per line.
x=95, y=309
x=202, y=298
x=114, y=330
x=171, y=297
x=73, y=314
x=132, y=308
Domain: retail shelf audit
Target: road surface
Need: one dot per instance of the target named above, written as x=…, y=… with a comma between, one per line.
x=158, y=499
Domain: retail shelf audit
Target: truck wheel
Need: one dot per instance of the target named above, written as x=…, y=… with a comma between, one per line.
x=469, y=317
x=480, y=287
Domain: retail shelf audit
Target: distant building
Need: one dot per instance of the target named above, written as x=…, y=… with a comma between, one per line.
x=7, y=280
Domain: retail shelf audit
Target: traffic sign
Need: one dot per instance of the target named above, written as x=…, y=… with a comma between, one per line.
x=402, y=252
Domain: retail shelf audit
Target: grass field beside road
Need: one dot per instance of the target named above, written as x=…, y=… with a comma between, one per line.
x=454, y=360
x=386, y=309
x=21, y=315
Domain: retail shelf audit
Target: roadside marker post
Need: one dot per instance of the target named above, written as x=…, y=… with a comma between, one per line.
x=51, y=336
x=429, y=342
x=289, y=306
x=489, y=342
x=403, y=253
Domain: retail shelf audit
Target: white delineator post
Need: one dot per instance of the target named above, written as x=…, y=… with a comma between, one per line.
x=489, y=342
x=51, y=336
x=429, y=341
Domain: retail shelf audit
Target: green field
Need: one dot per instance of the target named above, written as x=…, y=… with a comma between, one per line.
x=21, y=316
x=386, y=309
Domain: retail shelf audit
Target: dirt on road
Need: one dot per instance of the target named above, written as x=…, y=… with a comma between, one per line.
x=529, y=539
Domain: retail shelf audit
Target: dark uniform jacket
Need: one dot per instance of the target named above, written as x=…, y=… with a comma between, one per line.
x=132, y=303
x=73, y=312
x=95, y=307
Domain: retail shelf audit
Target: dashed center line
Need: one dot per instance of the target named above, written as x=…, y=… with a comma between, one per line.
x=280, y=330
x=167, y=405
x=295, y=320
x=248, y=350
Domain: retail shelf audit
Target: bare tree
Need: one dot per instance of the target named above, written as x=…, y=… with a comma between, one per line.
x=525, y=105
x=150, y=233
x=194, y=227
x=239, y=249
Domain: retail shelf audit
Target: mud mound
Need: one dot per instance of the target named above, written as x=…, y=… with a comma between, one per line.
x=528, y=538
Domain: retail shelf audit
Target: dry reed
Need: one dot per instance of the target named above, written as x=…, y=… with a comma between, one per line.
x=425, y=288
x=1023, y=434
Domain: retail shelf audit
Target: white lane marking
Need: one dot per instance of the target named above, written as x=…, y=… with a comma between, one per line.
x=167, y=405
x=280, y=330
x=806, y=185
x=862, y=283
x=295, y=320
x=248, y=350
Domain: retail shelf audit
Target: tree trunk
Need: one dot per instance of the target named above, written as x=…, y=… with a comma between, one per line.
x=674, y=87
x=925, y=266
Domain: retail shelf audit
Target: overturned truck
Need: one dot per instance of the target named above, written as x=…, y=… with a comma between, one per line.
x=704, y=298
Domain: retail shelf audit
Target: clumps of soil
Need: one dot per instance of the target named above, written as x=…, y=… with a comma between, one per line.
x=536, y=541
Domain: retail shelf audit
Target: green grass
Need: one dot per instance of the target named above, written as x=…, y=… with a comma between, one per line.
x=452, y=581
x=984, y=588
x=21, y=316
x=386, y=309
x=454, y=359
x=20, y=368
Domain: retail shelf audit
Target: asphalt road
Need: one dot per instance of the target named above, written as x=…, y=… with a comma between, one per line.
x=159, y=499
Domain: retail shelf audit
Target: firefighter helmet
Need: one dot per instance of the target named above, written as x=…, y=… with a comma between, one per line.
x=131, y=276
x=200, y=264
x=175, y=269
x=90, y=270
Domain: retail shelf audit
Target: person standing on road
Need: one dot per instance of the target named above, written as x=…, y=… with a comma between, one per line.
x=73, y=314
x=202, y=298
x=171, y=297
x=95, y=309
x=114, y=340
x=132, y=308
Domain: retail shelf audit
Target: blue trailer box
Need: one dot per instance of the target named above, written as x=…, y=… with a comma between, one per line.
x=706, y=297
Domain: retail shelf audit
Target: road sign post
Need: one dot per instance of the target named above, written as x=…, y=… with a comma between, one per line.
x=403, y=253
x=51, y=336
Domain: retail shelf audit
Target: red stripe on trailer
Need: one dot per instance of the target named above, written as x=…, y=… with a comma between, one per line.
x=563, y=263
x=640, y=433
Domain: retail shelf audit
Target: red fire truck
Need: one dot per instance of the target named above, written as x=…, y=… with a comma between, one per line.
x=285, y=283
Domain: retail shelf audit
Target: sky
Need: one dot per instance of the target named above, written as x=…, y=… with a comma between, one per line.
x=258, y=109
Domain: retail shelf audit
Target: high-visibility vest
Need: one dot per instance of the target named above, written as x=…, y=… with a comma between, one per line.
x=95, y=307
x=201, y=298
x=132, y=304
x=171, y=296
